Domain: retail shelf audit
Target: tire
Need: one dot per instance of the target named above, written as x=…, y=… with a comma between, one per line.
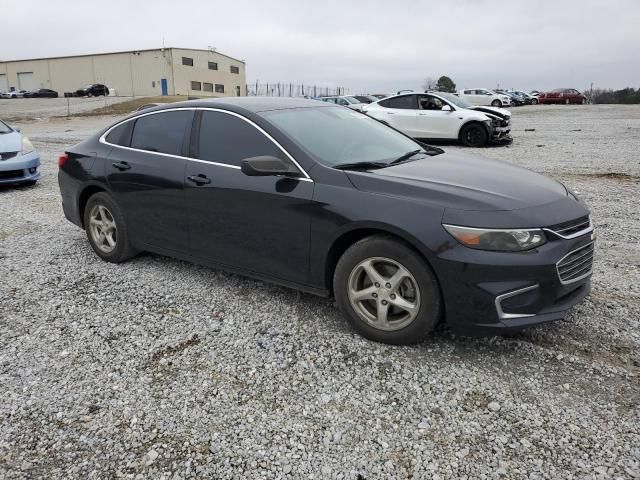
x=567, y=102
x=102, y=213
x=417, y=290
x=583, y=101
x=496, y=103
x=474, y=134
x=534, y=101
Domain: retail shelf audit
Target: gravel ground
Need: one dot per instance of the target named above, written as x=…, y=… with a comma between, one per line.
x=161, y=369
x=37, y=109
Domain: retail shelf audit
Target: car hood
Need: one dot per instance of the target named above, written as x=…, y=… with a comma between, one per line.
x=497, y=111
x=11, y=142
x=462, y=182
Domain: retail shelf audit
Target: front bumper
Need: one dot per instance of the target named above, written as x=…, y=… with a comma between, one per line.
x=488, y=293
x=20, y=169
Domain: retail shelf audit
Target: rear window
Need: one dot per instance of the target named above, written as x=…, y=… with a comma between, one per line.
x=120, y=135
x=161, y=132
x=404, y=102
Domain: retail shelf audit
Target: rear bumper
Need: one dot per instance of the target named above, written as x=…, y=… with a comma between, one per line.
x=70, y=192
x=20, y=169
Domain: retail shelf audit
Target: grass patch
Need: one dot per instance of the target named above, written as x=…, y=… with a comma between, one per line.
x=124, y=108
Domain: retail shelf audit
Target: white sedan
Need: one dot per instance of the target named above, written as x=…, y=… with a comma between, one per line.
x=484, y=97
x=442, y=116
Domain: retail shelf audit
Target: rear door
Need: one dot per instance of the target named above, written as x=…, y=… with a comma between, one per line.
x=433, y=122
x=257, y=224
x=145, y=173
x=402, y=113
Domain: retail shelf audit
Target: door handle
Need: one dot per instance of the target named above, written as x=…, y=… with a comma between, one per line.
x=199, y=179
x=121, y=165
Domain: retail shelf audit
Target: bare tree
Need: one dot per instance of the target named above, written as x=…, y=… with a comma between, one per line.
x=429, y=83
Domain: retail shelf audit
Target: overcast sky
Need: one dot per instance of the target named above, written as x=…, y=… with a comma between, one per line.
x=368, y=46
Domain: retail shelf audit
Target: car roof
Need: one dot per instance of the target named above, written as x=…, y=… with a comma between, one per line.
x=251, y=104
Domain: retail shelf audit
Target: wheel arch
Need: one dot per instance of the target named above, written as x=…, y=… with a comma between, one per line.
x=469, y=122
x=346, y=239
x=84, y=197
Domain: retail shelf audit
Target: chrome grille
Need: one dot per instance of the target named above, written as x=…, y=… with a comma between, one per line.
x=576, y=265
x=572, y=227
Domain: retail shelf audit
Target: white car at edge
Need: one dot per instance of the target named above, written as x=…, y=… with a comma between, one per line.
x=442, y=116
x=484, y=97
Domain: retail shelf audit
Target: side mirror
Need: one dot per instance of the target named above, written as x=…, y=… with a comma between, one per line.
x=446, y=108
x=265, y=166
x=17, y=129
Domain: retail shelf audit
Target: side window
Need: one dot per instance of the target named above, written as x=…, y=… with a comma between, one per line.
x=406, y=102
x=469, y=92
x=429, y=102
x=342, y=101
x=228, y=139
x=161, y=132
x=121, y=135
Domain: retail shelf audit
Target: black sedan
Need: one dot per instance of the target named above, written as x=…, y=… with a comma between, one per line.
x=41, y=93
x=328, y=200
x=95, y=90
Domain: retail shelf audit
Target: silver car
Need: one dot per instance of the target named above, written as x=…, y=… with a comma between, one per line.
x=19, y=161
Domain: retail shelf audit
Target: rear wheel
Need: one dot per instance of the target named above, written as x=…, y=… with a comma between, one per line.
x=106, y=229
x=387, y=292
x=496, y=103
x=474, y=135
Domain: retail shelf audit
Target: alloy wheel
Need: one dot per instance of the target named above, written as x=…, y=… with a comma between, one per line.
x=384, y=293
x=103, y=228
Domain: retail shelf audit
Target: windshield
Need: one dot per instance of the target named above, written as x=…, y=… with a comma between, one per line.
x=4, y=128
x=335, y=136
x=457, y=101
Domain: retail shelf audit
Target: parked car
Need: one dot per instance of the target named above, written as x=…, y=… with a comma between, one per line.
x=345, y=101
x=333, y=202
x=442, y=116
x=482, y=96
x=562, y=95
x=516, y=99
x=528, y=98
x=95, y=90
x=380, y=96
x=13, y=94
x=41, y=93
x=19, y=162
x=366, y=98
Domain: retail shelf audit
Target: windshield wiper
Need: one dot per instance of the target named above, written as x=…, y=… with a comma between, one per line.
x=360, y=165
x=406, y=156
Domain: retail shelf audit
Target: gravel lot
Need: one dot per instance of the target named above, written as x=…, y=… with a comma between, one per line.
x=161, y=369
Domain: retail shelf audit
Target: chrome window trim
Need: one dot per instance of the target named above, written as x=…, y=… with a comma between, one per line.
x=103, y=139
x=584, y=231
x=506, y=316
x=581, y=277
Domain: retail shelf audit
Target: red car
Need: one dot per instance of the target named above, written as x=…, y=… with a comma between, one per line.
x=562, y=95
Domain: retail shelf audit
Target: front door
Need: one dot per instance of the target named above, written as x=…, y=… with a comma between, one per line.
x=433, y=122
x=258, y=224
x=146, y=178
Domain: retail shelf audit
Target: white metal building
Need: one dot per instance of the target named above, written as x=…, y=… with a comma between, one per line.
x=162, y=71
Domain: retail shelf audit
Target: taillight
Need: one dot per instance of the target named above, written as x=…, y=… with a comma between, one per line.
x=62, y=160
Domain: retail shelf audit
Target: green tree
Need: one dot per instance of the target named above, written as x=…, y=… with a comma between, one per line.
x=445, y=84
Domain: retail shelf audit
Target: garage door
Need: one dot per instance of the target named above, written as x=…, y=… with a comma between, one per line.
x=4, y=85
x=26, y=81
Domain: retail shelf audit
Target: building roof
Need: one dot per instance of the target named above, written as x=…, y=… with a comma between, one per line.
x=120, y=52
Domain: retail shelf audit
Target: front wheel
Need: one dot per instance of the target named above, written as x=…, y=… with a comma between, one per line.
x=474, y=135
x=386, y=291
x=106, y=229
x=496, y=103
x=534, y=101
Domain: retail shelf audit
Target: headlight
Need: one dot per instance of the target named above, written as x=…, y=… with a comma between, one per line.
x=516, y=240
x=27, y=146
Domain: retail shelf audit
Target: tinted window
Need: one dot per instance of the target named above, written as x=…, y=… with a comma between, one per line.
x=404, y=102
x=213, y=66
x=121, y=134
x=219, y=88
x=196, y=85
x=235, y=69
x=208, y=87
x=161, y=132
x=228, y=139
x=187, y=61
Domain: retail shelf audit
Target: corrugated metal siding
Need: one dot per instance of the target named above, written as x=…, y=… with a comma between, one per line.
x=132, y=73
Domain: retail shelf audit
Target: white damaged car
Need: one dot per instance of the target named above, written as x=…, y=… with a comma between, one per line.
x=442, y=116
